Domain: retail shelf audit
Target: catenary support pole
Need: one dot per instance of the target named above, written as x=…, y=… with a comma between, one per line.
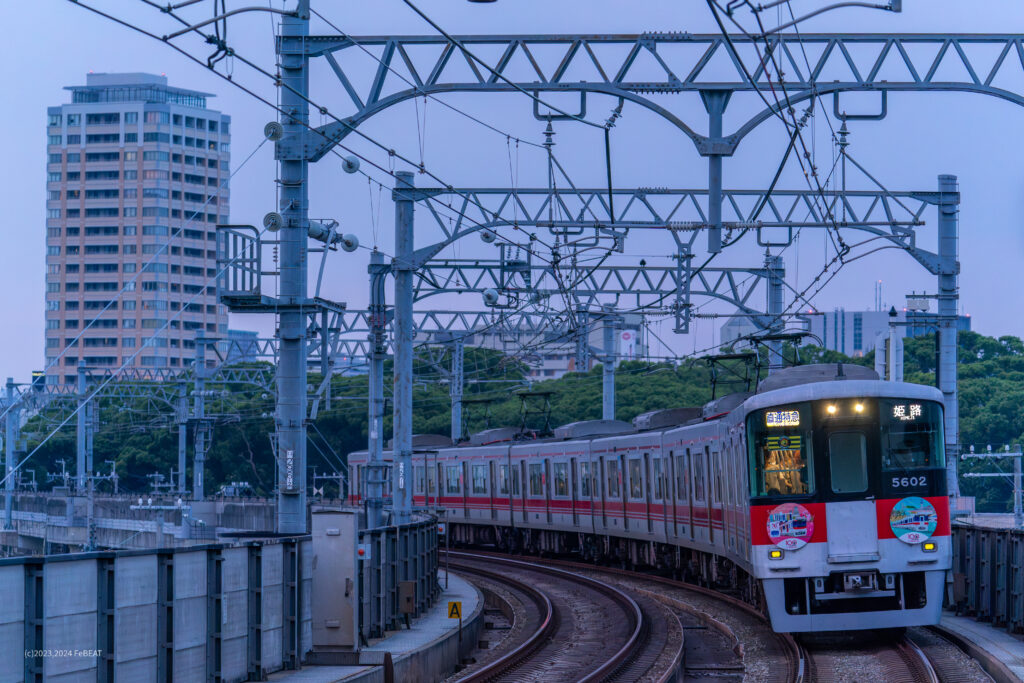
x=80, y=430
x=582, y=341
x=290, y=416
x=457, y=378
x=10, y=438
x=949, y=299
x=715, y=102
x=776, y=277
x=199, y=413
x=608, y=369
x=181, y=417
x=402, y=269
x=372, y=487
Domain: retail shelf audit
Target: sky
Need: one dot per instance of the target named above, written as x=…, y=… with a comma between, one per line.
x=924, y=135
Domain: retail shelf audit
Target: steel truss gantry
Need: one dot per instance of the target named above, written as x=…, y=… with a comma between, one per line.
x=624, y=67
x=636, y=65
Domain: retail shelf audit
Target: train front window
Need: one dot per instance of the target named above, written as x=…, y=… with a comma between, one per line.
x=780, y=453
x=848, y=462
x=911, y=434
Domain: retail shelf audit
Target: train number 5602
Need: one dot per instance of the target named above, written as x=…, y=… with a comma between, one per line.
x=898, y=482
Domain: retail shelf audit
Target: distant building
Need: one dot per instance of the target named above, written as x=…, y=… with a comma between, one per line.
x=854, y=333
x=132, y=161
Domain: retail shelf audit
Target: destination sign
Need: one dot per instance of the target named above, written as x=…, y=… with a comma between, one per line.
x=782, y=418
x=906, y=412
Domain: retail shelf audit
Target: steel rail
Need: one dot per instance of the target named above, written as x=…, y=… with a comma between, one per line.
x=801, y=665
x=632, y=609
x=510, y=660
x=917, y=661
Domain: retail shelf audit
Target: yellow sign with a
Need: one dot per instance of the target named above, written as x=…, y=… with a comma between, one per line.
x=454, y=609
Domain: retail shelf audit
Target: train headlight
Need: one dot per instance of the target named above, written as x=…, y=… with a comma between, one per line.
x=831, y=409
x=858, y=407
x=929, y=546
x=776, y=554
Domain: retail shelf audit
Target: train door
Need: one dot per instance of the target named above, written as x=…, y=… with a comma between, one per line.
x=698, y=458
x=602, y=477
x=510, y=475
x=659, y=493
x=545, y=483
x=491, y=488
x=522, y=487
x=727, y=517
x=624, y=482
x=694, y=495
x=574, y=483
x=711, y=479
x=672, y=495
x=464, y=484
x=648, y=491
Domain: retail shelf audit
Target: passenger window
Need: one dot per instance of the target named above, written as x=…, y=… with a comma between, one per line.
x=503, y=479
x=451, y=476
x=515, y=481
x=613, y=478
x=561, y=476
x=680, y=477
x=479, y=478
x=419, y=479
x=698, y=477
x=536, y=472
x=636, y=481
x=848, y=461
x=656, y=475
x=584, y=480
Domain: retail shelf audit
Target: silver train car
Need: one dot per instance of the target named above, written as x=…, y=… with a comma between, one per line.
x=821, y=498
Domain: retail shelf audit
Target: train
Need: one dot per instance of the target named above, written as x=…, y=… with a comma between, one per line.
x=820, y=497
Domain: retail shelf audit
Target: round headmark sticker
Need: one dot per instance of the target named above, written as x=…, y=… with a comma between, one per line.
x=790, y=526
x=913, y=520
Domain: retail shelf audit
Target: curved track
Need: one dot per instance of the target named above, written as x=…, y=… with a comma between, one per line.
x=578, y=621
x=727, y=627
x=914, y=656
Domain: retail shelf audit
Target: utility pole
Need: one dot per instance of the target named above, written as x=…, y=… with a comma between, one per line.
x=609, y=328
x=181, y=418
x=12, y=427
x=373, y=483
x=402, y=267
x=290, y=416
x=582, y=341
x=455, y=387
x=80, y=429
x=202, y=425
x=949, y=299
x=776, y=276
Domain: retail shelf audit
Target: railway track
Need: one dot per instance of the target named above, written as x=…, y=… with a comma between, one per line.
x=582, y=629
x=713, y=646
x=728, y=640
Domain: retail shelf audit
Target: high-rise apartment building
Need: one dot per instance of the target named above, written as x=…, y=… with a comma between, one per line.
x=137, y=179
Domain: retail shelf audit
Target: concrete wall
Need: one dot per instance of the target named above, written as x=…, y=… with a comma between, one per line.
x=210, y=598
